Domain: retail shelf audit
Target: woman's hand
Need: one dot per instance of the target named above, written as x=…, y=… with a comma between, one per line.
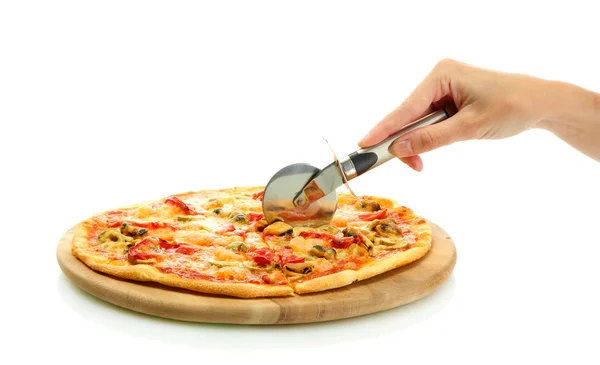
x=491, y=105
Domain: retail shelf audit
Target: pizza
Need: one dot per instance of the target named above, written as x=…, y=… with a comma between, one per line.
x=218, y=242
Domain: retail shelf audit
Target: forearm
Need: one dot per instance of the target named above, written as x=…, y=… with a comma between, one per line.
x=575, y=118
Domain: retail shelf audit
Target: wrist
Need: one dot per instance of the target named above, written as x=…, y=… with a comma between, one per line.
x=569, y=106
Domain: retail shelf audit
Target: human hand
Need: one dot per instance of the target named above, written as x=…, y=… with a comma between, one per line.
x=491, y=105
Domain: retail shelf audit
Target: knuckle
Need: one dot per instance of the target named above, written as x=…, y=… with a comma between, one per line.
x=445, y=64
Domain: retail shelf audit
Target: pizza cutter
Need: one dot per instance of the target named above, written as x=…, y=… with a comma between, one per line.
x=304, y=195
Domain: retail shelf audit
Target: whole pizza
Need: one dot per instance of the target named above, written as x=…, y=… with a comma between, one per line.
x=218, y=242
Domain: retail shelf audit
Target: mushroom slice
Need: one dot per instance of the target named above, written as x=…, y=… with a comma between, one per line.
x=218, y=263
x=238, y=246
x=129, y=230
x=367, y=205
x=278, y=229
x=303, y=268
x=394, y=246
x=260, y=225
x=239, y=218
x=387, y=230
x=326, y=252
x=113, y=235
x=354, y=231
x=329, y=229
x=366, y=243
x=357, y=250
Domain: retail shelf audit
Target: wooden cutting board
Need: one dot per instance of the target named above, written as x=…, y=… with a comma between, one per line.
x=392, y=289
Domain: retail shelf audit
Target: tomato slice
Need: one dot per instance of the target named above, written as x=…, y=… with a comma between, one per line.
x=290, y=259
x=372, y=216
x=262, y=255
x=227, y=227
x=186, y=250
x=320, y=235
x=173, y=200
x=258, y=196
x=148, y=248
x=344, y=242
x=253, y=217
x=154, y=247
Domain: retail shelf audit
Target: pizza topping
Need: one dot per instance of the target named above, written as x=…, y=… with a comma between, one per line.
x=386, y=229
x=146, y=249
x=390, y=244
x=322, y=252
x=229, y=230
x=113, y=235
x=300, y=244
x=278, y=229
x=262, y=255
x=329, y=229
x=213, y=203
x=288, y=257
x=298, y=271
x=227, y=227
x=232, y=273
x=367, y=205
x=386, y=232
x=258, y=196
x=372, y=216
x=253, y=216
x=218, y=263
x=238, y=246
x=223, y=254
x=185, y=218
x=260, y=225
x=366, y=243
x=239, y=218
x=152, y=248
x=186, y=250
x=269, y=278
x=319, y=235
x=299, y=268
x=217, y=211
x=129, y=230
x=175, y=201
x=345, y=242
x=149, y=225
x=297, y=231
x=349, y=233
x=357, y=250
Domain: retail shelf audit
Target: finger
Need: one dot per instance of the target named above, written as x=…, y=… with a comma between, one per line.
x=420, y=102
x=431, y=137
x=414, y=162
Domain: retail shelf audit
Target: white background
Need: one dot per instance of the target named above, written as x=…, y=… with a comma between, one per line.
x=108, y=103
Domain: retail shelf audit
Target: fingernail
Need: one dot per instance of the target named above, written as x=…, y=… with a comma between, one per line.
x=402, y=148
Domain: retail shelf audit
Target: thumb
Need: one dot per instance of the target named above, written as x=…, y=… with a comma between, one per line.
x=431, y=137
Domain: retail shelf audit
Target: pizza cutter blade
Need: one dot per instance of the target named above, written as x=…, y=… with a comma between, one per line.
x=284, y=186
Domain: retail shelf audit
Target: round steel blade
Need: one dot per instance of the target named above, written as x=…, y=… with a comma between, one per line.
x=281, y=190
